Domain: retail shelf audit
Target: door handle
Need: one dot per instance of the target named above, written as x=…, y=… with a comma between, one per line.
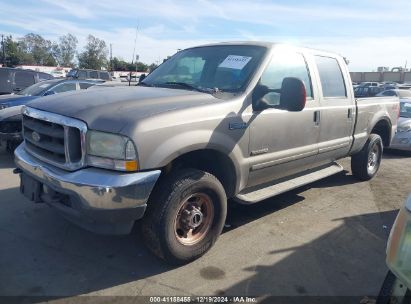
x=349, y=116
x=317, y=117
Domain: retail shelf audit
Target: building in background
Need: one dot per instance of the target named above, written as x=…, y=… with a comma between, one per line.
x=125, y=75
x=56, y=71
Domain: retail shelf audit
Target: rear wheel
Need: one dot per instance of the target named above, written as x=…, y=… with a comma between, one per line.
x=365, y=164
x=185, y=216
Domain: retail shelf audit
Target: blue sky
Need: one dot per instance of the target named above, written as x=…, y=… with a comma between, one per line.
x=369, y=33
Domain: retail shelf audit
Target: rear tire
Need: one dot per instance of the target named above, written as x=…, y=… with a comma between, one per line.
x=365, y=164
x=185, y=216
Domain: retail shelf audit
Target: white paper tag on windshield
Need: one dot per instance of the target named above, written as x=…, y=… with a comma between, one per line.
x=235, y=62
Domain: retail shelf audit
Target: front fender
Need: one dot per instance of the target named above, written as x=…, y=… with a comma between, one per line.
x=190, y=141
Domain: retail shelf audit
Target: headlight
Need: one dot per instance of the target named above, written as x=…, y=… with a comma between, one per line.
x=405, y=128
x=111, y=151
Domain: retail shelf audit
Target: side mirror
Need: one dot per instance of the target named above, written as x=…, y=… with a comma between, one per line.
x=142, y=76
x=293, y=94
x=290, y=97
x=49, y=93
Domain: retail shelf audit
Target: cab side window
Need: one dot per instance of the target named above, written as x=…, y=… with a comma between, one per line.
x=282, y=65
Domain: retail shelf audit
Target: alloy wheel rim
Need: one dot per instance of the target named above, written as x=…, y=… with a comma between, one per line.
x=373, y=159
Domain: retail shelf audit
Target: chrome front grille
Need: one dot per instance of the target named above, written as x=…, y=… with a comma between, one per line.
x=55, y=139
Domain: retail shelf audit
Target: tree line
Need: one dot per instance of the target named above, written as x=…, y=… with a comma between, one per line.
x=33, y=49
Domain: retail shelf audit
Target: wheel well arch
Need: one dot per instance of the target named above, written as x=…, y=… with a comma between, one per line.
x=209, y=160
x=383, y=129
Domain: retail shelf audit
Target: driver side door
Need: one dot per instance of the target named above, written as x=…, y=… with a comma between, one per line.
x=283, y=143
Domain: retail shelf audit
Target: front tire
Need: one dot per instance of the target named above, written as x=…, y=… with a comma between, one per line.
x=365, y=164
x=185, y=216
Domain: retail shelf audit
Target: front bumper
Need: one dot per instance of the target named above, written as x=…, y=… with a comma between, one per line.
x=98, y=200
x=399, y=245
x=401, y=141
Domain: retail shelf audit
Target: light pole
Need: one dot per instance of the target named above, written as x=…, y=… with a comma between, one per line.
x=4, y=50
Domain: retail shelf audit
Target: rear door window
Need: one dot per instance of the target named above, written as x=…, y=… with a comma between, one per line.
x=23, y=79
x=331, y=77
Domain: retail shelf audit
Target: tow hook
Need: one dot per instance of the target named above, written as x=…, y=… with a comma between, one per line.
x=17, y=171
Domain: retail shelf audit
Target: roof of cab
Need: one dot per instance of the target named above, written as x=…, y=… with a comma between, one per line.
x=270, y=45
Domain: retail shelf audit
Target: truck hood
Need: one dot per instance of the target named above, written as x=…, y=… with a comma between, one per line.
x=111, y=109
x=15, y=100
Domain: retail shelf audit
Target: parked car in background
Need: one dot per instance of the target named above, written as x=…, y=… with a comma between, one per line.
x=369, y=91
x=389, y=85
x=14, y=80
x=245, y=121
x=396, y=92
x=396, y=287
x=369, y=84
x=10, y=105
x=58, y=74
x=10, y=127
x=89, y=74
x=402, y=138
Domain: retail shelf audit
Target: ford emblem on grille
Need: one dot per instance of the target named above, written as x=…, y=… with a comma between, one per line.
x=36, y=136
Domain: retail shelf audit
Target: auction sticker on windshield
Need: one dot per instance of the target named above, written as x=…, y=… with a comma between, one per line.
x=235, y=62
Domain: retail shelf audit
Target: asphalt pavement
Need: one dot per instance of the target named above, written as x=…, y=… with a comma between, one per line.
x=324, y=239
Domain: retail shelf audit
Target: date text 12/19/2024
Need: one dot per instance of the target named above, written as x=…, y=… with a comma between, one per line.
x=202, y=299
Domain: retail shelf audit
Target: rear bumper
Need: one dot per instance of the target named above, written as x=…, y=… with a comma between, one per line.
x=98, y=200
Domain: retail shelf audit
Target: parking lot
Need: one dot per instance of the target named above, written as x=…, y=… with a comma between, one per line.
x=327, y=238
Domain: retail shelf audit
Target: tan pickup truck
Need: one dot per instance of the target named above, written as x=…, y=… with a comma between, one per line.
x=241, y=121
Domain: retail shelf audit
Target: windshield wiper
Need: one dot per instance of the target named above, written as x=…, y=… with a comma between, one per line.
x=188, y=86
x=143, y=84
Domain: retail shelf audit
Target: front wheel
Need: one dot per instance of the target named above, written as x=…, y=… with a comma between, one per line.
x=365, y=164
x=185, y=216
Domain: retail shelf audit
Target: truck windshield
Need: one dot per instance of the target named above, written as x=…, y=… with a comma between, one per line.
x=37, y=89
x=225, y=68
x=405, y=109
